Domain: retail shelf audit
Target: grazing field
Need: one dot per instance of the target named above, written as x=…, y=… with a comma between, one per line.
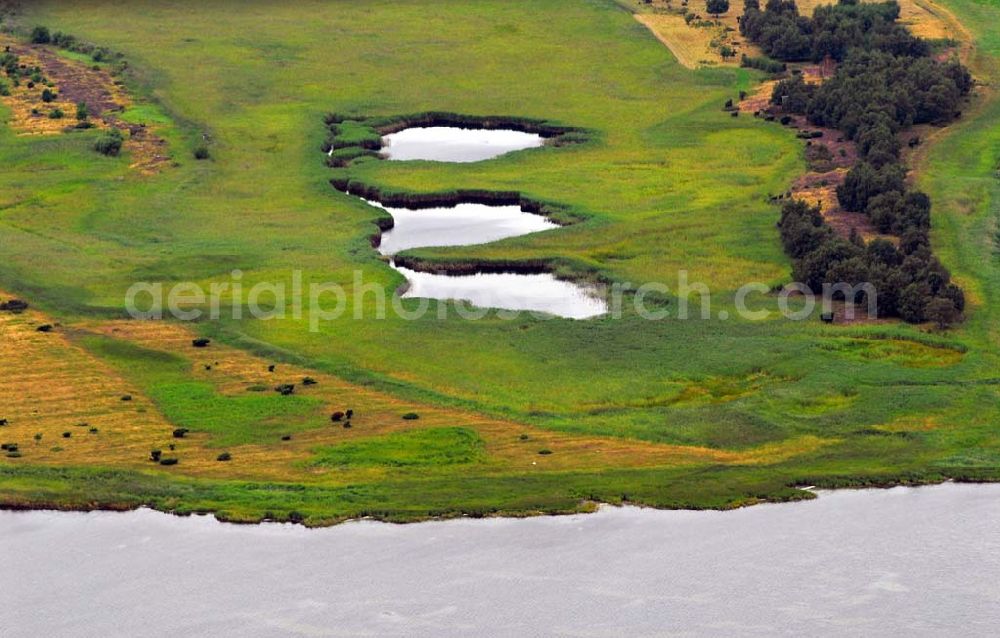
x=515, y=416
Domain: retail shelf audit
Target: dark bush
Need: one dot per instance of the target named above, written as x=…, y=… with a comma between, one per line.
x=942, y=312
x=56, y=114
x=41, y=35
x=16, y=306
x=109, y=144
x=48, y=95
x=717, y=7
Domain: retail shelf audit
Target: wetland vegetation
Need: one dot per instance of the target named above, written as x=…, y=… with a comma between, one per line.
x=644, y=172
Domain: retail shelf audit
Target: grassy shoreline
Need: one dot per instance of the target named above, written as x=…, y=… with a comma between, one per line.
x=667, y=182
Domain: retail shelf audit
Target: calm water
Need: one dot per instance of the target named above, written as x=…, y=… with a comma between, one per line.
x=509, y=291
x=452, y=144
x=914, y=562
x=461, y=225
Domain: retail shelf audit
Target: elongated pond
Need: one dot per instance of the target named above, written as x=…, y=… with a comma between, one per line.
x=461, y=225
x=915, y=562
x=538, y=292
x=454, y=144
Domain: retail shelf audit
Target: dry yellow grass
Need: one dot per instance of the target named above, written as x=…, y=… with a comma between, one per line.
x=54, y=386
x=696, y=46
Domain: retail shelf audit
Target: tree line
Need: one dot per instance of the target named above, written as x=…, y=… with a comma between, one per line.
x=886, y=81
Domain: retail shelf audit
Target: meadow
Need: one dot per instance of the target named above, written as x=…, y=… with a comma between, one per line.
x=694, y=413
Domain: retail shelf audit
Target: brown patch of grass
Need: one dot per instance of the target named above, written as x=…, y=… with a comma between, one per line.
x=75, y=83
x=52, y=386
x=696, y=44
x=57, y=386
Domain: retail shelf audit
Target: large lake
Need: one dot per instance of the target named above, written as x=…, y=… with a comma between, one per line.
x=913, y=562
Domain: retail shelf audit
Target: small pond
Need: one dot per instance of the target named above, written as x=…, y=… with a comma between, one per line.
x=462, y=225
x=453, y=144
x=537, y=292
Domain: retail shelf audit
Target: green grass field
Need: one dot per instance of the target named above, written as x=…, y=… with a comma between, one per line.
x=667, y=182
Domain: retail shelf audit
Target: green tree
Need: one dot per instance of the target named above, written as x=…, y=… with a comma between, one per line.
x=942, y=312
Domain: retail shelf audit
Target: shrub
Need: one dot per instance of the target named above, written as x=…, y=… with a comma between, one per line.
x=523, y=437
x=38, y=437
x=225, y=456
x=942, y=312
x=41, y=35
x=766, y=65
x=717, y=7
x=411, y=416
x=15, y=306
x=56, y=114
x=82, y=111
x=48, y=95
x=109, y=144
